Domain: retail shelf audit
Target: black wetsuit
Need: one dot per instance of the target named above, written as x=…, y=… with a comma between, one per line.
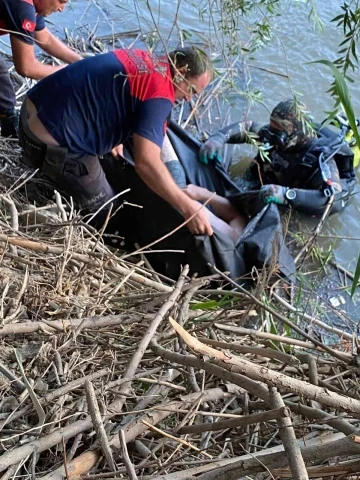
x=313, y=173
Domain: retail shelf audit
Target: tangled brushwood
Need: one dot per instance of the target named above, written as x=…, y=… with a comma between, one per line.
x=109, y=370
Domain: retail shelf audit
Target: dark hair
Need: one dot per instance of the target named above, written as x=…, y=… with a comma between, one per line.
x=196, y=61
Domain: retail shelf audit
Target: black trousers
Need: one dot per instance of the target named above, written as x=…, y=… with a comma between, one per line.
x=7, y=91
x=81, y=177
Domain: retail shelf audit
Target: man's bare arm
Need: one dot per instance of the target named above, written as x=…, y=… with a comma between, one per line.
x=154, y=173
x=55, y=47
x=26, y=64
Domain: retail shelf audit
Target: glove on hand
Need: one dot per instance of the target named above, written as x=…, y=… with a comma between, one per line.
x=212, y=149
x=273, y=193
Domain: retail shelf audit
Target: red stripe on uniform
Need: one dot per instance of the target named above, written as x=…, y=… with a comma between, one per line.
x=148, y=77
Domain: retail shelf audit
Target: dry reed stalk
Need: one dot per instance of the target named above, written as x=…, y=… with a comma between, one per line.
x=78, y=313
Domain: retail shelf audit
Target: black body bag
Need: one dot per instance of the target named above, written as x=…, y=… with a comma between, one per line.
x=262, y=238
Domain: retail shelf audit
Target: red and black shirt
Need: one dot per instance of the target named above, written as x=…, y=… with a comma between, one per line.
x=93, y=105
x=19, y=17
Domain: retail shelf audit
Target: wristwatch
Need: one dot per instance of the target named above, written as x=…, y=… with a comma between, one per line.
x=290, y=194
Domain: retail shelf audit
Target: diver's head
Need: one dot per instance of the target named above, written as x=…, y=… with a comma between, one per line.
x=290, y=127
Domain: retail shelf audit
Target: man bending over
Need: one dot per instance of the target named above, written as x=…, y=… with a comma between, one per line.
x=72, y=118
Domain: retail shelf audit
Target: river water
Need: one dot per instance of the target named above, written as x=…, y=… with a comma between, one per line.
x=296, y=41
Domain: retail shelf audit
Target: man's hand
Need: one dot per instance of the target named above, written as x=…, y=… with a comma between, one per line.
x=273, y=193
x=153, y=172
x=118, y=151
x=200, y=224
x=213, y=148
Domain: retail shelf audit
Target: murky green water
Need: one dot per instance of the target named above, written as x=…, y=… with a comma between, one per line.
x=296, y=42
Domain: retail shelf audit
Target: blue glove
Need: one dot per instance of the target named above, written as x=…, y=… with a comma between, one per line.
x=213, y=148
x=273, y=193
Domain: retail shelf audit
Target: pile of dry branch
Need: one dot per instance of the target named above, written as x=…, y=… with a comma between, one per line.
x=109, y=370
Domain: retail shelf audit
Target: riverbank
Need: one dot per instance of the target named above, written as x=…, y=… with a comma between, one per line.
x=99, y=378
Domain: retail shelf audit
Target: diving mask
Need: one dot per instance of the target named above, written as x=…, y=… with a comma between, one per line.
x=278, y=138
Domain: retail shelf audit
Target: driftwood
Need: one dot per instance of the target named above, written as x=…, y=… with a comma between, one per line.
x=263, y=374
x=131, y=431
x=288, y=437
x=273, y=459
x=125, y=456
x=98, y=424
x=54, y=326
x=241, y=365
x=134, y=363
x=344, y=468
x=48, y=249
x=275, y=414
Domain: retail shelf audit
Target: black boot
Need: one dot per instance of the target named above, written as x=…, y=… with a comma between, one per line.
x=10, y=125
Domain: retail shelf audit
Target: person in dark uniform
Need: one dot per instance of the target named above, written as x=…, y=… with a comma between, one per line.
x=307, y=164
x=24, y=20
x=72, y=118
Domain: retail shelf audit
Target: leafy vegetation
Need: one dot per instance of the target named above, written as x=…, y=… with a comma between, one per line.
x=349, y=21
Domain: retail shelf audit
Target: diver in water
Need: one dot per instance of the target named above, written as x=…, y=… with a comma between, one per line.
x=307, y=162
